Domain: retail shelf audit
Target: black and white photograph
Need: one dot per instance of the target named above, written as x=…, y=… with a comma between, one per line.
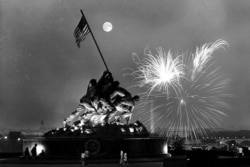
x=138, y=83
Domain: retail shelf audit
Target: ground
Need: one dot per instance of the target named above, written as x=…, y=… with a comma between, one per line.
x=146, y=164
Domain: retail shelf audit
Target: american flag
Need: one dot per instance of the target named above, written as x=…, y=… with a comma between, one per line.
x=81, y=31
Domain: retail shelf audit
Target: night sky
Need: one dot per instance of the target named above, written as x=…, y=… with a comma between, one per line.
x=44, y=74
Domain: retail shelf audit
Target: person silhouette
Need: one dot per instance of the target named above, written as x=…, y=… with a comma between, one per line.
x=121, y=158
x=42, y=154
x=125, y=159
x=83, y=156
x=27, y=153
x=86, y=157
x=33, y=151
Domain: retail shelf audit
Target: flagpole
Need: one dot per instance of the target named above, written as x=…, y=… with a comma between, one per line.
x=95, y=41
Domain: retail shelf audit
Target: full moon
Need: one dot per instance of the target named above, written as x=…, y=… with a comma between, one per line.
x=107, y=26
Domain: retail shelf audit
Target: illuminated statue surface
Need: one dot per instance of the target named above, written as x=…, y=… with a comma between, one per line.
x=105, y=102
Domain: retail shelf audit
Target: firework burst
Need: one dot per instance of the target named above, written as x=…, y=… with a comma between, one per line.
x=190, y=100
x=158, y=72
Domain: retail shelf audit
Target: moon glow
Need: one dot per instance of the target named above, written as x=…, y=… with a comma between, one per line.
x=107, y=26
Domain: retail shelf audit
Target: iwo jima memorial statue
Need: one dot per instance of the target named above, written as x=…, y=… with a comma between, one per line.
x=101, y=122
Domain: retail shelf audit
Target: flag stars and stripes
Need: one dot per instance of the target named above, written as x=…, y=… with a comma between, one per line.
x=81, y=31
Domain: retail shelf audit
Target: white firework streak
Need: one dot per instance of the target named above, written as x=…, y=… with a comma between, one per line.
x=192, y=103
x=203, y=55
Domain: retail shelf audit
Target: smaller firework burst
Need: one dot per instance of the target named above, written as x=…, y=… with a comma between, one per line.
x=203, y=55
